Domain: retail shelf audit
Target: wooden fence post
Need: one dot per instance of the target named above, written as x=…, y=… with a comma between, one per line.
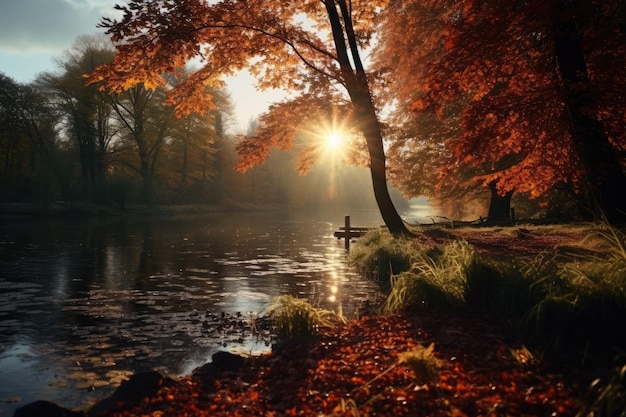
x=347, y=230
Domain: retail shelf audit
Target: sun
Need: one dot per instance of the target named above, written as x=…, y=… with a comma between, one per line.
x=334, y=140
x=329, y=140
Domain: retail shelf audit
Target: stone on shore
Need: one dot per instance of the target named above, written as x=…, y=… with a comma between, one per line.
x=42, y=408
x=131, y=392
x=220, y=362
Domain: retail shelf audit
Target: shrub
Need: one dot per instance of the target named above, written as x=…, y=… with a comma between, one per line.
x=433, y=279
x=422, y=362
x=297, y=319
x=380, y=254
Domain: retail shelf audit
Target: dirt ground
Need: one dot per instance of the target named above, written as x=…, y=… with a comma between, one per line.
x=523, y=240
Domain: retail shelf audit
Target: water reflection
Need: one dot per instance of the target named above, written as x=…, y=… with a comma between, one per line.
x=85, y=304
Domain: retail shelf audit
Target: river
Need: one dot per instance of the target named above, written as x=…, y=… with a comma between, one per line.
x=84, y=304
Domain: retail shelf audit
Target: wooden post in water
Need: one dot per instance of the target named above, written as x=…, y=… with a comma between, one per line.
x=347, y=230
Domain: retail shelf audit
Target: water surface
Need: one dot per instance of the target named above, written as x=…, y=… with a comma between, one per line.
x=85, y=304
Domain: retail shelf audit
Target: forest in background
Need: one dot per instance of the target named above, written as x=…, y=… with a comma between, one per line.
x=485, y=108
x=64, y=142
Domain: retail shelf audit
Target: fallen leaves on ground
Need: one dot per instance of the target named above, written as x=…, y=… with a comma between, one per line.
x=354, y=371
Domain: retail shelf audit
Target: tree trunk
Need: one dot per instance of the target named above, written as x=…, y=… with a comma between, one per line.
x=604, y=174
x=358, y=89
x=371, y=129
x=146, y=176
x=500, y=205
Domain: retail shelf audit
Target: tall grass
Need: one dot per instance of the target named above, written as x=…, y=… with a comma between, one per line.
x=607, y=396
x=381, y=256
x=570, y=304
x=583, y=303
x=434, y=278
x=296, y=319
x=554, y=302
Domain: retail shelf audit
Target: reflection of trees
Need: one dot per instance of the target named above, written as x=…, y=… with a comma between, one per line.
x=90, y=266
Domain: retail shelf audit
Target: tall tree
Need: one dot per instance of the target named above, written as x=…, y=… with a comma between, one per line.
x=87, y=111
x=576, y=24
x=13, y=143
x=423, y=161
x=162, y=148
x=146, y=123
x=311, y=47
x=192, y=149
x=29, y=141
x=529, y=84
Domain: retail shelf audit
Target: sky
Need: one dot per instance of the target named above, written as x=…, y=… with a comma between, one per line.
x=35, y=32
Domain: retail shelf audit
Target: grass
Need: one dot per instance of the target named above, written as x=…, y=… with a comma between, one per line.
x=433, y=279
x=566, y=304
x=422, y=362
x=607, y=397
x=296, y=319
x=382, y=256
x=583, y=299
x=553, y=301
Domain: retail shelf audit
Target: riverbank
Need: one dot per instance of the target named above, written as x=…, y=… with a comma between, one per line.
x=355, y=370
x=431, y=359
x=90, y=301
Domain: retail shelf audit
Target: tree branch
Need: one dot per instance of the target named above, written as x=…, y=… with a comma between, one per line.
x=347, y=21
x=339, y=39
x=282, y=39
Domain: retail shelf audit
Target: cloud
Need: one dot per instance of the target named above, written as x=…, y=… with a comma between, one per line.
x=38, y=26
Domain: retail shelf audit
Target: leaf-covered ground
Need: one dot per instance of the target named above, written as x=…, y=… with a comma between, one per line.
x=481, y=374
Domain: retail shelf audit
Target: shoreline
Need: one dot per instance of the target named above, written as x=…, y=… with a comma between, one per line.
x=87, y=210
x=355, y=368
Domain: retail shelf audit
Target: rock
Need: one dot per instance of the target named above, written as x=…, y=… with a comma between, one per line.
x=44, y=408
x=220, y=362
x=131, y=392
x=226, y=361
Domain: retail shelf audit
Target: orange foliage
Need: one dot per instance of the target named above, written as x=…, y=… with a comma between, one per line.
x=286, y=45
x=488, y=68
x=304, y=116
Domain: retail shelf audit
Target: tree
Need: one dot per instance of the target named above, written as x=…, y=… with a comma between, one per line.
x=423, y=161
x=13, y=142
x=311, y=47
x=192, y=148
x=528, y=85
x=29, y=142
x=146, y=123
x=575, y=22
x=87, y=111
x=161, y=148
